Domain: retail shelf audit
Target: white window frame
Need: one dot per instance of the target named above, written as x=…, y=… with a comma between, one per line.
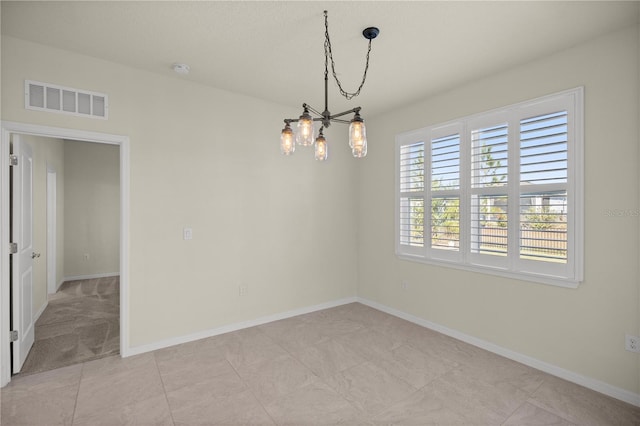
x=568, y=274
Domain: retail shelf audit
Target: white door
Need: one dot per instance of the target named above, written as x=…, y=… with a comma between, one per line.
x=22, y=261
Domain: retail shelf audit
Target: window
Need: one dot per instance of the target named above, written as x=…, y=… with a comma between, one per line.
x=497, y=192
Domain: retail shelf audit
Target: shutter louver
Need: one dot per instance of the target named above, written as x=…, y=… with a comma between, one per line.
x=543, y=226
x=445, y=223
x=412, y=221
x=445, y=193
x=489, y=156
x=412, y=167
x=489, y=225
x=412, y=195
x=543, y=149
x=445, y=163
x=489, y=205
x=543, y=193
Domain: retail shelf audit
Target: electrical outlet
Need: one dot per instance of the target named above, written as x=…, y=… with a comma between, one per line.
x=243, y=289
x=187, y=234
x=632, y=343
x=404, y=285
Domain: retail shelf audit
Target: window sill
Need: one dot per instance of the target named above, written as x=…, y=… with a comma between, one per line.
x=537, y=278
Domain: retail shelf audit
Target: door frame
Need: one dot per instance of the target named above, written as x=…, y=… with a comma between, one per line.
x=52, y=237
x=8, y=128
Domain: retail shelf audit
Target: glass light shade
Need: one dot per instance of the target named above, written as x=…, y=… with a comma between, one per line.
x=357, y=132
x=358, y=137
x=287, y=141
x=321, y=148
x=360, y=151
x=304, y=135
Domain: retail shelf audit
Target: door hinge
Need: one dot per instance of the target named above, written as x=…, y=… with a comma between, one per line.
x=13, y=248
x=13, y=336
x=13, y=160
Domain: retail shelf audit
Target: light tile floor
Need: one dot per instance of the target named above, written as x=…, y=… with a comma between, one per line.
x=349, y=365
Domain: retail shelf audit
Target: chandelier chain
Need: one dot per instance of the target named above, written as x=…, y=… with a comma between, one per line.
x=328, y=54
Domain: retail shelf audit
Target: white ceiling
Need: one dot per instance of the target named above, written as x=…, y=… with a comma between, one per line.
x=274, y=50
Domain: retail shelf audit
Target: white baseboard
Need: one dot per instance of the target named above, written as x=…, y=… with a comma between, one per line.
x=233, y=327
x=89, y=277
x=40, y=311
x=588, y=382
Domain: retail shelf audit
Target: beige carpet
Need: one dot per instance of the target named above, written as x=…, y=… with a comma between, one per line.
x=81, y=323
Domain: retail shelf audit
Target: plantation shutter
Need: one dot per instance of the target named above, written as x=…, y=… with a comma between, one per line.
x=543, y=187
x=499, y=192
x=412, y=196
x=489, y=186
x=445, y=193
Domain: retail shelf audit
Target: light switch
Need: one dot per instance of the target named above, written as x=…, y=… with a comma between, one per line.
x=187, y=233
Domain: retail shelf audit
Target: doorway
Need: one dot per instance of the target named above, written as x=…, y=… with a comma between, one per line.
x=9, y=129
x=77, y=320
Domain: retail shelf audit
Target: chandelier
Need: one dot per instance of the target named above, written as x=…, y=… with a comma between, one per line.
x=304, y=134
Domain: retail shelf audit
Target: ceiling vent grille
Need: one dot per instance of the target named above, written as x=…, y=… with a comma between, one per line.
x=65, y=100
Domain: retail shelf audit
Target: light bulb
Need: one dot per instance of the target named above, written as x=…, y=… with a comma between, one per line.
x=287, y=141
x=321, y=147
x=357, y=133
x=358, y=137
x=304, y=135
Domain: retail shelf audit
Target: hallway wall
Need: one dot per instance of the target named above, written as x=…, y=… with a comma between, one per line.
x=92, y=209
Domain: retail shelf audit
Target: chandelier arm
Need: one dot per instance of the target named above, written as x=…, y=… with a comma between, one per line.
x=313, y=110
x=328, y=53
x=321, y=118
x=351, y=111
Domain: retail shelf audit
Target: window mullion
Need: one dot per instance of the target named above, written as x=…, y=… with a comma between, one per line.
x=513, y=200
x=465, y=197
x=427, y=195
x=575, y=186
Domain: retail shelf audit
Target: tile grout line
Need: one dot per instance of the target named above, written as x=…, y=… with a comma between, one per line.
x=533, y=401
x=249, y=387
x=164, y=390
x=532, y=398
x=320, y=379
x=514, y=411
x=421, y=388
x=323, y=379
x=75, y=405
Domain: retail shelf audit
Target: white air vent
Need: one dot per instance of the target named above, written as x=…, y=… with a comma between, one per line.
x=65, y=100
